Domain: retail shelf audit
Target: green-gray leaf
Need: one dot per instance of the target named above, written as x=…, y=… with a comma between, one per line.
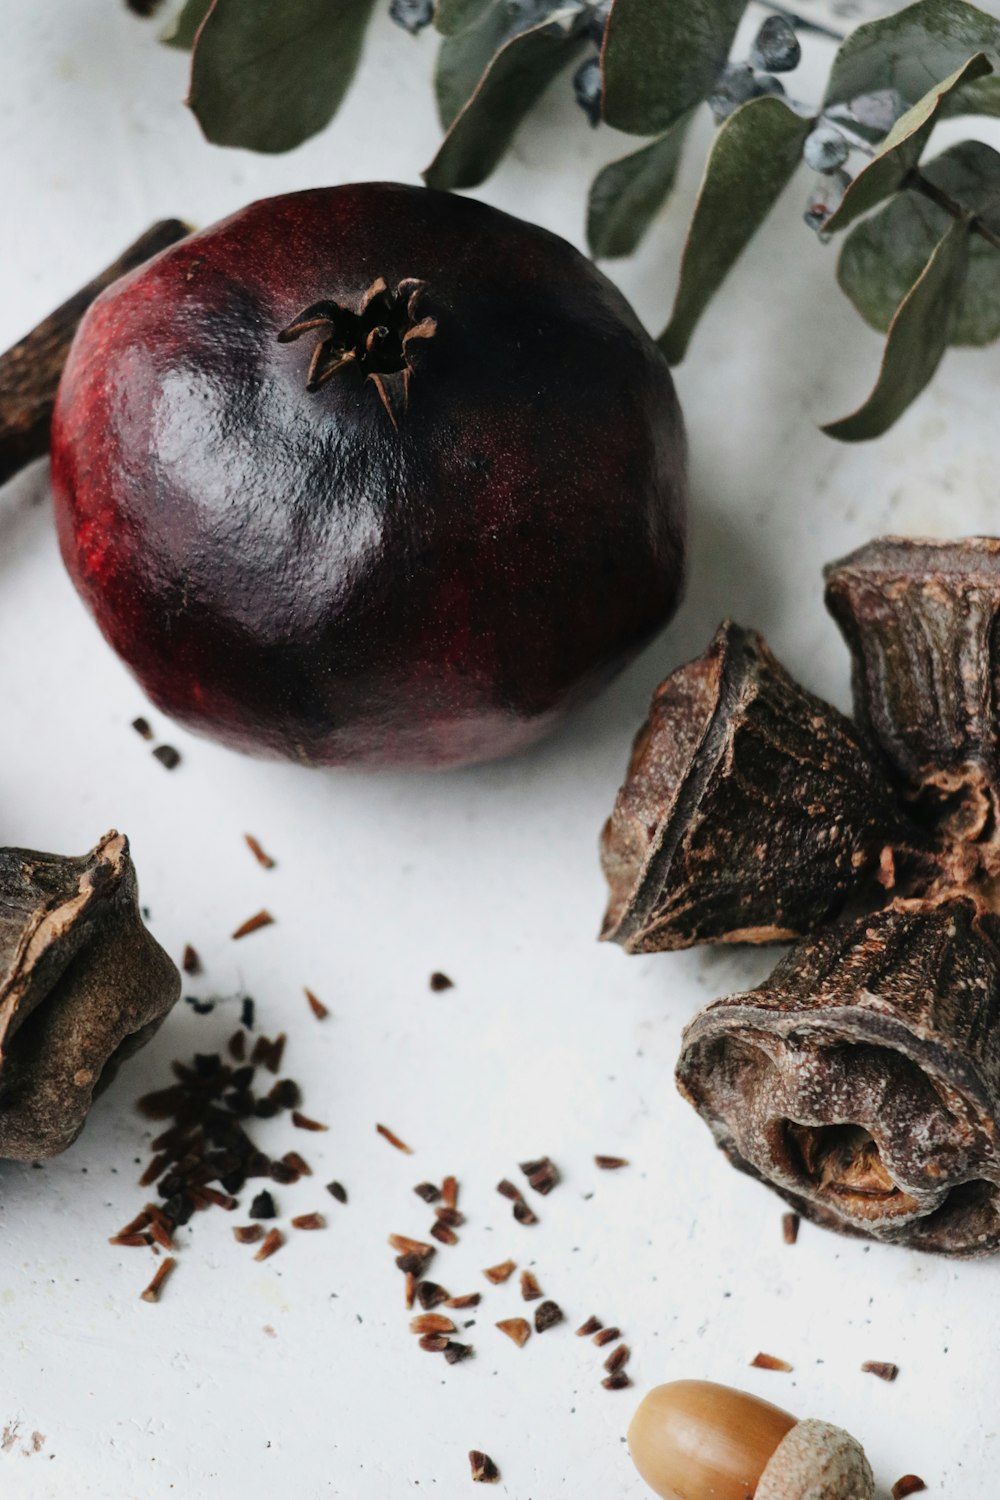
x=883, y=256
x=661, y=58
x=918, y=336
x=517, y=75
x=452, y=16
x=914, y=49
x=627, y=194
x=182, y=31
x=753, y=157
x=902, y=147
x=464, y=56
x=268, y=74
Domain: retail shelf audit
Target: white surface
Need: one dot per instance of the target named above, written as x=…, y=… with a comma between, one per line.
x=298, y=1377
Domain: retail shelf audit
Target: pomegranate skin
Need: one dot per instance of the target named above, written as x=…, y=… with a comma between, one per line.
x=290, y=572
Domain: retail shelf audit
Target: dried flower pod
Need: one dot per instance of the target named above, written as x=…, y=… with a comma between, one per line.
x=750, y=812
x=862, y=1079
x=920, y=619
x=83, y=984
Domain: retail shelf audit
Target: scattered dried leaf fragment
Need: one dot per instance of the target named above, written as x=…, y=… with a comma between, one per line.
x=484, y=1470
x=258, y=852
x=883, y=1369
x=771, y=1362
x=499, y=1273
x=393, y=1139
x=262, y=918
x=908, y=1484
x=518, y=1329
x=547, y=1315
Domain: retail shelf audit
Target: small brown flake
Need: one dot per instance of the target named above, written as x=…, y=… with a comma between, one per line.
x=771, y=1362
x=467, y=1299
x=606, y=1336
x=910, y=1484
x=510, y=1190
x=393, y=1139
x=617, y=1358
x=260, y=919
x=455, y=1352
x=449, y=1192
x=484, y=1470
x=338, y=1191
x=542, y=1175
x=430, y=1322
x=248, y=1234
x=434, y=1343
x=238, y=1046
x=267, y=1053
x=429, y=1294
x=790, y=1228
x=297, y=1163
x=133, y=1226
x=319, y=1010
x=153, y=1171
x=273, y=1240
x=407, y=1246
x=152, y=1292
x=882, y=1368
x=444, y=1233
x=439, y=982
x=529, y=1286
x=161, y=1234
x=610, y=1163
x=190, y=962
x=524, y=1214
x=592, y=1325
x=303, y=1122
x=262, y=1206
x=413, y=1263
x=616, y=1382
x=450, y=1216
x=258, y=852
x=309, y=1221
x=427, y=1191
x=499, y=1273
x=411, y=1287
x=518, y=1329
x=547, y=1315
x=141, y=727
x=131, y=1241
x=170, y=759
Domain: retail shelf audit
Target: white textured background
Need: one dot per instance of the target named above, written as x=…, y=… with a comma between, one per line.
x=298, y=1377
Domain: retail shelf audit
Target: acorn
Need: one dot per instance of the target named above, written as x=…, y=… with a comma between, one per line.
x=694, y=1440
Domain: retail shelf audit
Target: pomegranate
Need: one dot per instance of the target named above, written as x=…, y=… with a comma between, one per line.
x=370, y=474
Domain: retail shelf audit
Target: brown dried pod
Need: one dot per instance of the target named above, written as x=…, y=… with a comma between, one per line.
x=83, y=985
x=862, y=1079
x=920, y=620
x=750, y=812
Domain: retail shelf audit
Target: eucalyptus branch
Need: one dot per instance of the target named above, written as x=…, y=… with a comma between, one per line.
x=918, y=183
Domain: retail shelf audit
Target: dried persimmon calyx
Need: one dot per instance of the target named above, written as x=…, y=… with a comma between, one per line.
x=862, y=1079
x=82, y=985
x=752, y=811
x=921, y=620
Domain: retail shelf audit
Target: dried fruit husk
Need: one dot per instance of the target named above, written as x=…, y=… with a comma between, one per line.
x=83, y=985
x=751, y=812
x=862, y=1079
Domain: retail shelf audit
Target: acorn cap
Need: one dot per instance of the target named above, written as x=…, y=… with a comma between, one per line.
x=817, y=1461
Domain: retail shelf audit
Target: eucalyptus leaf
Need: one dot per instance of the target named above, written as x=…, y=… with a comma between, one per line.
x=914, y=49
x=183, y=29
x=919, y=333
x=902, y=147
x=753, y=157
x=884, y=254
x=518, y=74
x=627, y=194
x=662, y=57
x=464, y=56
x=268, y=74
x=453, y=16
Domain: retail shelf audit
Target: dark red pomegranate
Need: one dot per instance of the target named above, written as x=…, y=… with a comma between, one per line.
x=370, y=474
